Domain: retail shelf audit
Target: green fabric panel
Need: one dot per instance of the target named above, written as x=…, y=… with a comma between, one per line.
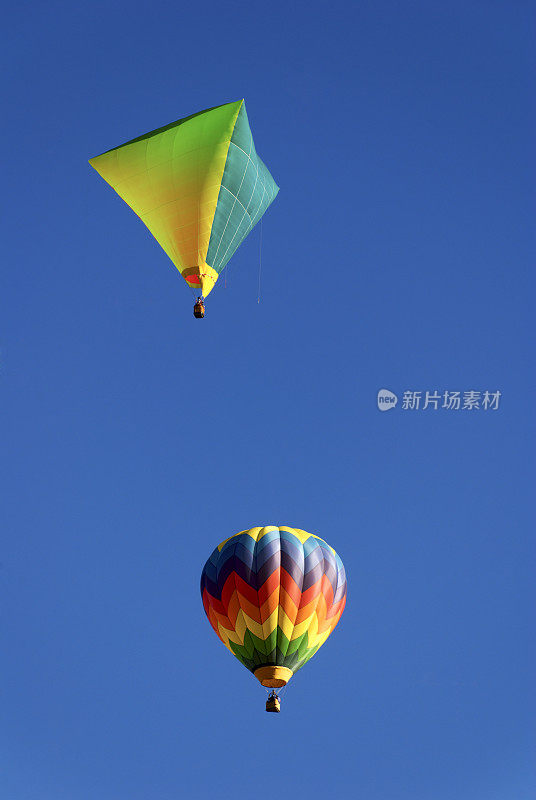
x=282, y=643
x=210, y=125
x=254, y=653
x=258, y=644
x=294, y=661
x=247, y=189
x=269, y=644
x=245, y=651
x=295, y=644
x=171, y=178
x=290, y=661
x=305, y=658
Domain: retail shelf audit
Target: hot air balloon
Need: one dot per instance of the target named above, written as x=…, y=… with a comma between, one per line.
x=273, y=596
x=198, y=185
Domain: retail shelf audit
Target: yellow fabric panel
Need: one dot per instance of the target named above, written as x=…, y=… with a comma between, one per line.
x=317, y=640
x=255, y=533
x=258, y=533
x=304, y=626
x=227, y=636
x=172, y=180
x=243, y=622
x=303, y=536
x=286, y=625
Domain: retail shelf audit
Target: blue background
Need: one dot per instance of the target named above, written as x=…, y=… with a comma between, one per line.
x=398, y=254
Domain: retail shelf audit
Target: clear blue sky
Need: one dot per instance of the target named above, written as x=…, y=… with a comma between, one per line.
x=398, y=254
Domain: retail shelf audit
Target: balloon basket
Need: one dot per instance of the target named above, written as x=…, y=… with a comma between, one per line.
x=273, y=704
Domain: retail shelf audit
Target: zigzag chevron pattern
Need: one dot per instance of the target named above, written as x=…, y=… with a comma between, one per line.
x=273, y=595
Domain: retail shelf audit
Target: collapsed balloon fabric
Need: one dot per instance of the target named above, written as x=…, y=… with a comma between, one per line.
x=197, y=184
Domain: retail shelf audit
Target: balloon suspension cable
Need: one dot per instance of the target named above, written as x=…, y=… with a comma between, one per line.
x=260, y=264
x=279, y=692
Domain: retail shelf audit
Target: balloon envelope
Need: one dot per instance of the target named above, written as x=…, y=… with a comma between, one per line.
x=273, y=595
x=197, y=184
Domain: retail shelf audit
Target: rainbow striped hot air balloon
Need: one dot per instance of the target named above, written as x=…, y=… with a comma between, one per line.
x=197, y=184
x=273, y=595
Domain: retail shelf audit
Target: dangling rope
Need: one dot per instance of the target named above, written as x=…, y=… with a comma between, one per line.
x=260, y=264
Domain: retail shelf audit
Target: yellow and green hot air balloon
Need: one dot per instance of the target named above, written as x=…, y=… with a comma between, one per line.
x=197, y=184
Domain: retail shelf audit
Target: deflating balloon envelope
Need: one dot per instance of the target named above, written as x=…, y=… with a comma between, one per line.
x=197, y=184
